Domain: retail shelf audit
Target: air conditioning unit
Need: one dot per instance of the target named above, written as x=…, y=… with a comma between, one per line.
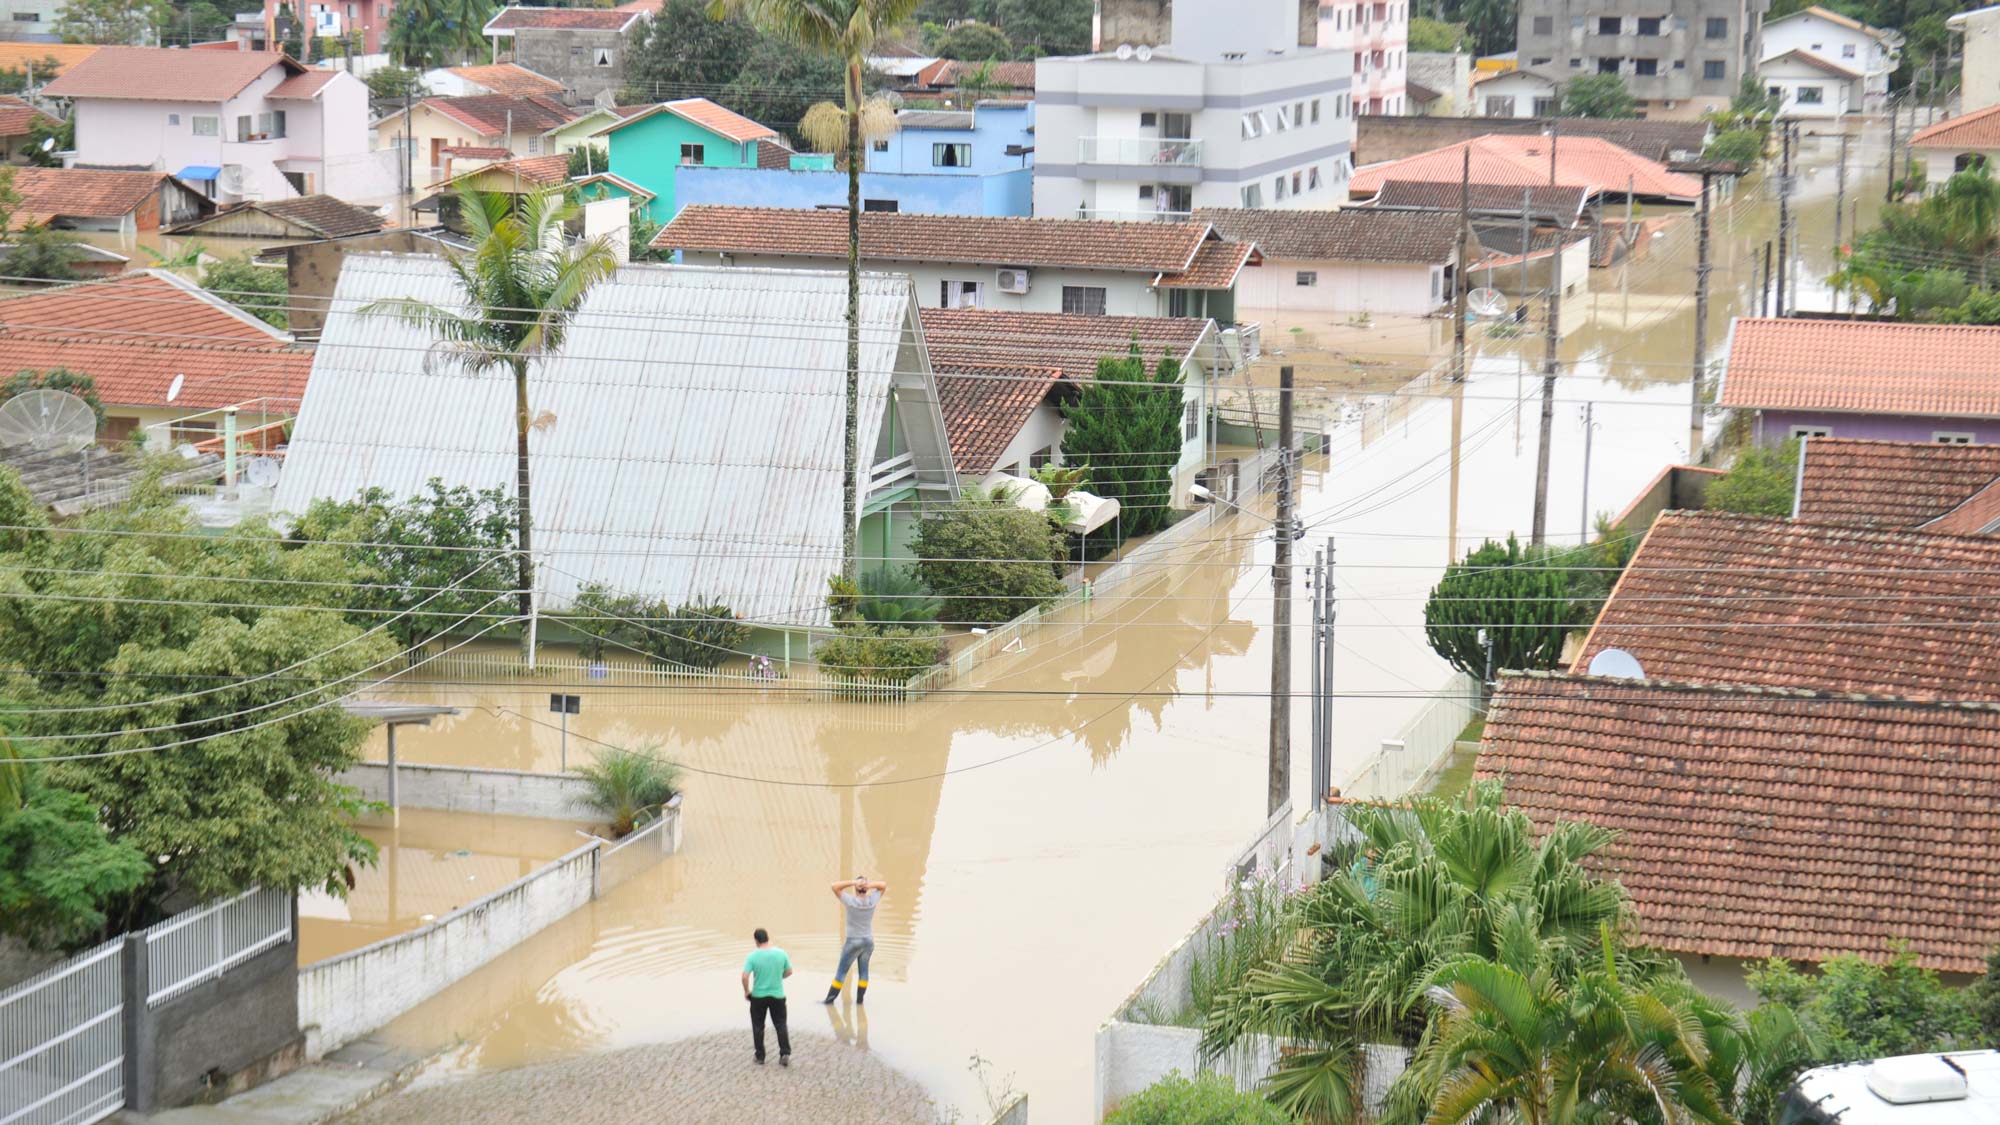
x=1013, y=281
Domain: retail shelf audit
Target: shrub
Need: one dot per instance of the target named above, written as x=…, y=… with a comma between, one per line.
x=629, y=786
x=894, y=597
x=1207, y=1099
x=1519, y=597
x=1258, y=927
x=699, y=634
x=1856, y=1009
x=1124, y=424
x=1745, y=146
x=257, y=290
x=1760, y=483
x=997, y=561
x=885, y=655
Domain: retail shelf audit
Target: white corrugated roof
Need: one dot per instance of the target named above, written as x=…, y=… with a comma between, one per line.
x=696, y=446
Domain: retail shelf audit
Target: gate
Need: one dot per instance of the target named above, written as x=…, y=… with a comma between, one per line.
x=62, y=1043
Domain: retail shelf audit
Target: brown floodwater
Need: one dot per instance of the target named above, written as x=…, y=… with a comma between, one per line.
x=1050, y=827
x=430, y=864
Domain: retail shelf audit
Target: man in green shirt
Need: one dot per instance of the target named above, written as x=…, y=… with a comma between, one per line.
x=764, y=973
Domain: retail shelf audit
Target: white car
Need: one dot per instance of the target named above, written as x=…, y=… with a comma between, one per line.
x=1949, y=1088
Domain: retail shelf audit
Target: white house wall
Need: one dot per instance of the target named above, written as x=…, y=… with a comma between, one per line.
x=1044, y=430
x=1832, y=42
x=1521, y=86
x=1788, y=78
x=1410, y=289
x=1125, y=293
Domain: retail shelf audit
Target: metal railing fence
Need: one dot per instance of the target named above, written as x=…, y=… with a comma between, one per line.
x=62, y=1043
x=200, y=944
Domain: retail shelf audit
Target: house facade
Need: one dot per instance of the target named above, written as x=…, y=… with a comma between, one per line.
x=650, y=147
x=241, y=124
x=988, y=139
x=1679, y=60
x=1979, y=57
x=1870, y=54
x=1448, y=75
x=1355, y=260
x=1958, y=143
x=1232, y=113
x=1515, y=93
x=1377, y=35
x=1807, y=85
x=366, y=20
x=445, y=137
x=999, y=193
x=582, y=48
x=1864, y=379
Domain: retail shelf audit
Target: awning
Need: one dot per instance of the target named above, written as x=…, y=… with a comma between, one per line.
x=199, y=172
x=1088, y=511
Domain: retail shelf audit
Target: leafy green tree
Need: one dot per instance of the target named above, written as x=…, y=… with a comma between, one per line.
x=1762, y=482
x=1744, y=146
x=1861, y=1009
x=683, y=52
x=16, y=81
x=1752, y=99
x=55, y=379
x=258, y=290
x=629, y=787
x=1044, y=27
x=586, y=160
x=427, y=33
x=406, y=552
x=1519, y=597
x=1598, y=95
x=781, y=83
x=40, y=252
x=1986, y=998
x=973, y=42
x=116, y=22
x=1126, y=425
x=57, y=867
x=232, y=653
x=880, y=654
x=197, y=22
x=895, y=597
x=640, y=238
x=523, y=283
x=1491, y=23
x=390, y=83
x=1207, y=1099
x=997, y=560
x=42, y=130
x=1436, y=35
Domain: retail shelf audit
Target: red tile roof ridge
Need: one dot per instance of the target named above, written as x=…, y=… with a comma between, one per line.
x=1940, y=131
x=1735, y=688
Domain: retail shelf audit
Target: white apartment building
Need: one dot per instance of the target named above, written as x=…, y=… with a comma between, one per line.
x=1865, y=57
x=1231, y=113
x=1979, y=68
x=1377, y=36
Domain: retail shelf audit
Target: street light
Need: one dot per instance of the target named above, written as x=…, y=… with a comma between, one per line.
x=1203, y=494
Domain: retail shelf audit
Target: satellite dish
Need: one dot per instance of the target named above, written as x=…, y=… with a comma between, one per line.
x=48, y=143
x=51, y=420
x=1486, y=302
x=1616, y=664
x=1124, y=50
x=1144, y=54
x=174, y=388
x=261, y=471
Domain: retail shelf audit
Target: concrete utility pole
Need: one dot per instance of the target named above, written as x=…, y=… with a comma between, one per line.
x=1764, y=283
x=1541, y=526
x=1700, y=325
x=1458, y=269
x=1889, y=192
x=1281, y=608
x=1555, y=135
x=1527, y=233
x=1839, y=205
x=1583, y=536
x=1784, y=210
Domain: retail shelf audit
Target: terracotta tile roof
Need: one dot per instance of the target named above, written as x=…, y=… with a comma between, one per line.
x=16, y=115
x=724, y=123
x=623, y=184
x=1712, y=597
x=1890, y=484
x=1824, y=66
x=561, y=19
x=303, y=86
x=1071, y=343
x=135, y=332
x=1564, y=203
x=165, y=74
x=1864, y=367
x=1354, y=234
x=325, y=215
x=1523, y=161
x=83, y=192
x=19, y=55
x=1215, y=266
x=508, y=78
x=541, y=171
x=1978, y=129
x=1979, y=514
x=477, y=152
x=1079, y=243
x=948, y=73
x=490, y=113
x=1832, y=16
x=985, y=406
x=1775, y=824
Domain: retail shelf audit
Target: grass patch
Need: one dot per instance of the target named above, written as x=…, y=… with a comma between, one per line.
x=1474, y=730
x=1451, y=781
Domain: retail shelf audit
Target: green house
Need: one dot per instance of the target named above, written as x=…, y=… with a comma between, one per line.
x=647, y=147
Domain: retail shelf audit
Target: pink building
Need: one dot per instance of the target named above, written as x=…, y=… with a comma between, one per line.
x=1378, y=35
x=239, y=124
x=367, y=18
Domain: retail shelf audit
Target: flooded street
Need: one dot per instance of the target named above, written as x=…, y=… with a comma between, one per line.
x=1050, y=826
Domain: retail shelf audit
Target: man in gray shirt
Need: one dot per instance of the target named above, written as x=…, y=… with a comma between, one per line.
x=860, y=897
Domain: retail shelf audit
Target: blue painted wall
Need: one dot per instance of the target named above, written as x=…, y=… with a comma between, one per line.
x=1006, y=193
x=994, y=128
x=647, y=151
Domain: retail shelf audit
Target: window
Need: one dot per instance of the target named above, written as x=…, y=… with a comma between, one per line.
x=1497, y=106
x=1818, y=47
x=1190, y=421
x=601, y=56
x=243, y=130
x=173, y=119
x=882, y=205
x=1645, y=68
x=1649, y=25
x=1306, y=279
x=1545, y=25
x=1951, y=437
x=1847, y=50
x=1252, y=195
x=1298, y=183
x=1252, y=126
x=278, y=123
x=961, y=295
x=951, y=154
x=1576, y=64
x=1148, y=119
x=1546, y=107
x=1278, y=188
x=1041, y=457
x=205, y=126
x=1680, y=64
x=694, y=154
x=1610, y=25
x=1083, y=300
x=1284, y=117
x=1811, y=431
x=27, y=17
x=1608, y=66
x=534, y=146
x=1714, y=70
x=880, y=146
x=1542, y=60
x=1312, y=178
x=1315, y=111
x=1967, y=161
x=1146, y=192
x=1437, y=284
x=1812, y=95
x=1717, y=28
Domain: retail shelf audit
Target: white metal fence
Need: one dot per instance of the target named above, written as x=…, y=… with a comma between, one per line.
x=62, y=1043
x=200, y=944
x=1422, y=745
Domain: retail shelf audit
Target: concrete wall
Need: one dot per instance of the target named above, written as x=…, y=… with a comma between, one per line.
x=1791, y=77
x=1002, y=193
x=568, y=56
x=1015, y=1112
x=1412, y=289
x=548, y=796
x=1677, y=486
x=1774, y=426
x=1979, y=75
x=1127, y=293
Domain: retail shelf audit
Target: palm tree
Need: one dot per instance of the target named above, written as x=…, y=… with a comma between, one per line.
x=845, y=29
x=627, y=785
x=521, y=285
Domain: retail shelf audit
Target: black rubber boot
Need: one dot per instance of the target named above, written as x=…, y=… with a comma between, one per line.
x=832, y=993
x=861, y=992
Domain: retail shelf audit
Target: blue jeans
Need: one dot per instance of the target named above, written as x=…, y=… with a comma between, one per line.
x=856, y=949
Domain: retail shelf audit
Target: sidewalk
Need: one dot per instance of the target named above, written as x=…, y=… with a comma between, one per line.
x=340, y=1083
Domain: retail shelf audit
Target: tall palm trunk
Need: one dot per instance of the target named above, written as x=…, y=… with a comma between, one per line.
x=524, y=534
x=850, y=507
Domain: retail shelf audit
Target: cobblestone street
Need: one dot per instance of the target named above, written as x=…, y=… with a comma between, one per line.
x=708, y=1080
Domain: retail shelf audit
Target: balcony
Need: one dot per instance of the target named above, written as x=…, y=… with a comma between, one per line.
x=1157, y=151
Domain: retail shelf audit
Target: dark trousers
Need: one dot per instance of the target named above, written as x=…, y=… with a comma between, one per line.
x=775, y=1005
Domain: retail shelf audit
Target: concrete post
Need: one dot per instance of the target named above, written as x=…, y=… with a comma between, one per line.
x=140, y=1050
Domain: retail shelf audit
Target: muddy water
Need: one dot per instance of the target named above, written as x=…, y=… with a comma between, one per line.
x=1048, y=832
x=431, y=863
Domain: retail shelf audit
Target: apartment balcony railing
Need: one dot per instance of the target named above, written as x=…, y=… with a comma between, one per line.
x=1113, y=216
x=1139, y=150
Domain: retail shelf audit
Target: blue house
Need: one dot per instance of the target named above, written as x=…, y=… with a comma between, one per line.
x=990, y=138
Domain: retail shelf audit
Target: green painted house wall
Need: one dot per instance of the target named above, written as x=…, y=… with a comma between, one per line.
x=647, y=150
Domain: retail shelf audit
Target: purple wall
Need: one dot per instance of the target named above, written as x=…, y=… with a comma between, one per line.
x=1775, y=425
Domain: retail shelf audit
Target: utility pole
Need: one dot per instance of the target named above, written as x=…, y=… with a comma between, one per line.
x=1583, y=536
x=1527, y=235
x=1555, y=131
x=1317, y=644
x=1784, y=211
x=1281, y=608
x=409, y=157
x=1458, y=269
x=1541, y=526
x=1840, y=205
x=1889, y=193
x=1764, y=283
x=1326, y=679
x=1700, y=324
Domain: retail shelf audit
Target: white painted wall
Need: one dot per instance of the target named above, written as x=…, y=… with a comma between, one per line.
x=1941, y=163
x=1411, y=289
x=1794, y=79
x=1979, y=74
x=1518, y=85
x=548, y=796
x=1125, y=293
x=1043, y=430
x=1840, y=45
